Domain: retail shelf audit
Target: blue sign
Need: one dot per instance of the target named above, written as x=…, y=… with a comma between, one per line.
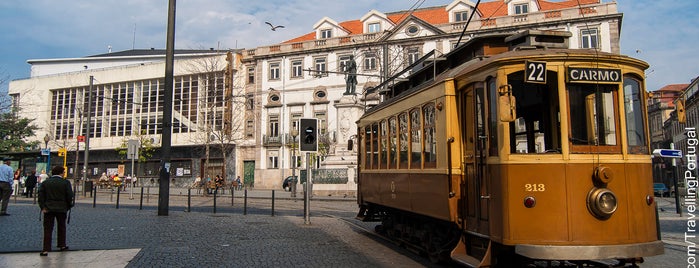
x=670, y=153
x=45, y=151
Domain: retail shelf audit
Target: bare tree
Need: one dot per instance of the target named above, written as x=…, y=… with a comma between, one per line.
x=221, y=104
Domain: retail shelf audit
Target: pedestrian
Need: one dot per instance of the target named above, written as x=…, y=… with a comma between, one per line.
x=6, y=181
x=30, y=183
x=239, y=183
x=55, y=200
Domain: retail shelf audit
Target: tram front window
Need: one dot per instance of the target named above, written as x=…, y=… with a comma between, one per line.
x=537, y=127
x=592, y=115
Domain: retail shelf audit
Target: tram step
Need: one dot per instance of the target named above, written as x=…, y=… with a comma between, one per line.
x=464, y=259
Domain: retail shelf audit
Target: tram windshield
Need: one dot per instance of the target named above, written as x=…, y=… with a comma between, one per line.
x=592, y=116
x=537, y=126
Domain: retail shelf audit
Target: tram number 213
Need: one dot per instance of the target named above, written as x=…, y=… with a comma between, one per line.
x=535, y=187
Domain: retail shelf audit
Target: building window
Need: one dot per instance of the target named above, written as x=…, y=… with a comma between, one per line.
x=344, y=60
x=250, y=128
x=274, y=126
x=322, y=122
x=320, y=66
x=273, y=162
x=249, y=102
x=296, y=68
x=589, y=38
x=461, y=16
x=412, y=54
x=251, y=75
x=374, y=27
x=274, y=71
x=324, y=34
x=369, y=61
x=521, y=9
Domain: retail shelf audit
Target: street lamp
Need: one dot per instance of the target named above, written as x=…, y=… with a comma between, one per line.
x=294, y=133
x=47, y=138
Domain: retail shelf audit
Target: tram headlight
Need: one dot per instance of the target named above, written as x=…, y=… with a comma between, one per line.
x=602, y=203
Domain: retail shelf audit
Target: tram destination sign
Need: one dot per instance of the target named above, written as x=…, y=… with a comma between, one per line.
x=593, y=75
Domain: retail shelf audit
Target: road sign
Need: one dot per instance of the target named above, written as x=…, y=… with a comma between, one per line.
x=669, y=153
x=46, y=151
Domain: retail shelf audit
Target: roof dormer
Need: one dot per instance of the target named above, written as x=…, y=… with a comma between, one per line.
x=375, y=22
x=461, y=10
x=521, y=7
x=328, y=28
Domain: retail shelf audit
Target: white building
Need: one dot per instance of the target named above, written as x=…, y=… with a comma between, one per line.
x=304, y=76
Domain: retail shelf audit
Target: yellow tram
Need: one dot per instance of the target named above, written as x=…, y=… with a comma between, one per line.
x=510, y=150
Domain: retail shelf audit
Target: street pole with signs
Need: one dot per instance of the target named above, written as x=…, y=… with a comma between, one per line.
x=132, y=153
x=674, y=154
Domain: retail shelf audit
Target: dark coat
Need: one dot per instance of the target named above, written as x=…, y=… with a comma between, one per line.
x=56, y=195
x=30, y=182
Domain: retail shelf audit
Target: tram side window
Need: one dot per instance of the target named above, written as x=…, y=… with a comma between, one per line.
x=634, y=109
x=430, y=153
x=537, y=129
x=367, y=147
x=383, y=145
x=403, y=140
x=415, y=139
x=375, y=146
x=393, y=140
x=592, y=115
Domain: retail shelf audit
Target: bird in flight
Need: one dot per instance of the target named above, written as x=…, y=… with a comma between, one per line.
x=274, y=28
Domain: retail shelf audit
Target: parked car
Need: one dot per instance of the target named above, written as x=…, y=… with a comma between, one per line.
x=659, y=189
x=286, y=184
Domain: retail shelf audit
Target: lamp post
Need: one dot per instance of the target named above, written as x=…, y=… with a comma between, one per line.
x=47, y=138
x=294, y=133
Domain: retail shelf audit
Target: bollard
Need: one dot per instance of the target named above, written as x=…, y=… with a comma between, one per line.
x=35, y=192
x=272, y=203
x=140, y=206
x=148, y=194
x=245, y=203
x=118, y=194
x=94, y=196
x=189, y=201
x=215, y=192
x=232, y=196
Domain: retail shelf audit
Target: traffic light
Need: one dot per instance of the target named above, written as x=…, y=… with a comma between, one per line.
x=309, y=134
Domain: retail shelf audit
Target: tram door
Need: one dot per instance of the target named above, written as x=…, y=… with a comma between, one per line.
x=475, y=186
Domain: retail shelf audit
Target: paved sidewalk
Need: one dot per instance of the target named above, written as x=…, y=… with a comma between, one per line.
x=104, y=236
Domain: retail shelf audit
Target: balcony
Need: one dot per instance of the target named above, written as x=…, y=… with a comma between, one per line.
x=272, y=141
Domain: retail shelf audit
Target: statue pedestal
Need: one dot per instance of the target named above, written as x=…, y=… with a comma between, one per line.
x=349, y=109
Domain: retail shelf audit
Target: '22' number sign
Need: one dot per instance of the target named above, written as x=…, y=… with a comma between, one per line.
x=535, y=72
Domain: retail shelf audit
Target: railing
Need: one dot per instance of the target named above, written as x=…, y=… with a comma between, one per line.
x=272, y=140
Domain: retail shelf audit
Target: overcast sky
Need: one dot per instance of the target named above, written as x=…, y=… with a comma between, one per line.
x=663, y=33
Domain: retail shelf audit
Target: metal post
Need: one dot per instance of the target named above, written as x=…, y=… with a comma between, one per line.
x=215, y=192
x=140, y=206
x=272, y=203
x=306, y=192
x=94, y=196
x=674, y=181
x=245, y=203
x=189, y=200
x=118, y=194
x=164, y=189
x=87, y=131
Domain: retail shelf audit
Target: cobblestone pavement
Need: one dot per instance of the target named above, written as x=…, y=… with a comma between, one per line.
x=202, y=238
x=233, y=236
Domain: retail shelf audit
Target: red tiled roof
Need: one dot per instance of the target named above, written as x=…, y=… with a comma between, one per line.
x=674, y=87
x=438, y=15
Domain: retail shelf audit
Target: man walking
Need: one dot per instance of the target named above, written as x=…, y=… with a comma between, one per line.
x=30, y=183
x=6, y=181
x=55, y=199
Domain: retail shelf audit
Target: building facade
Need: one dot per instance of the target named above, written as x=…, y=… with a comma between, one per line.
x=307, y=77
x=116, y=97
x=249, y=124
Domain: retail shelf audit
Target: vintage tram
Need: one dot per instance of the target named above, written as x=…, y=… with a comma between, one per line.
x=513, y=149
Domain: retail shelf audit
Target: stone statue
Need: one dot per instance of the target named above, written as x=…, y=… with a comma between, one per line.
x=351, y=69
